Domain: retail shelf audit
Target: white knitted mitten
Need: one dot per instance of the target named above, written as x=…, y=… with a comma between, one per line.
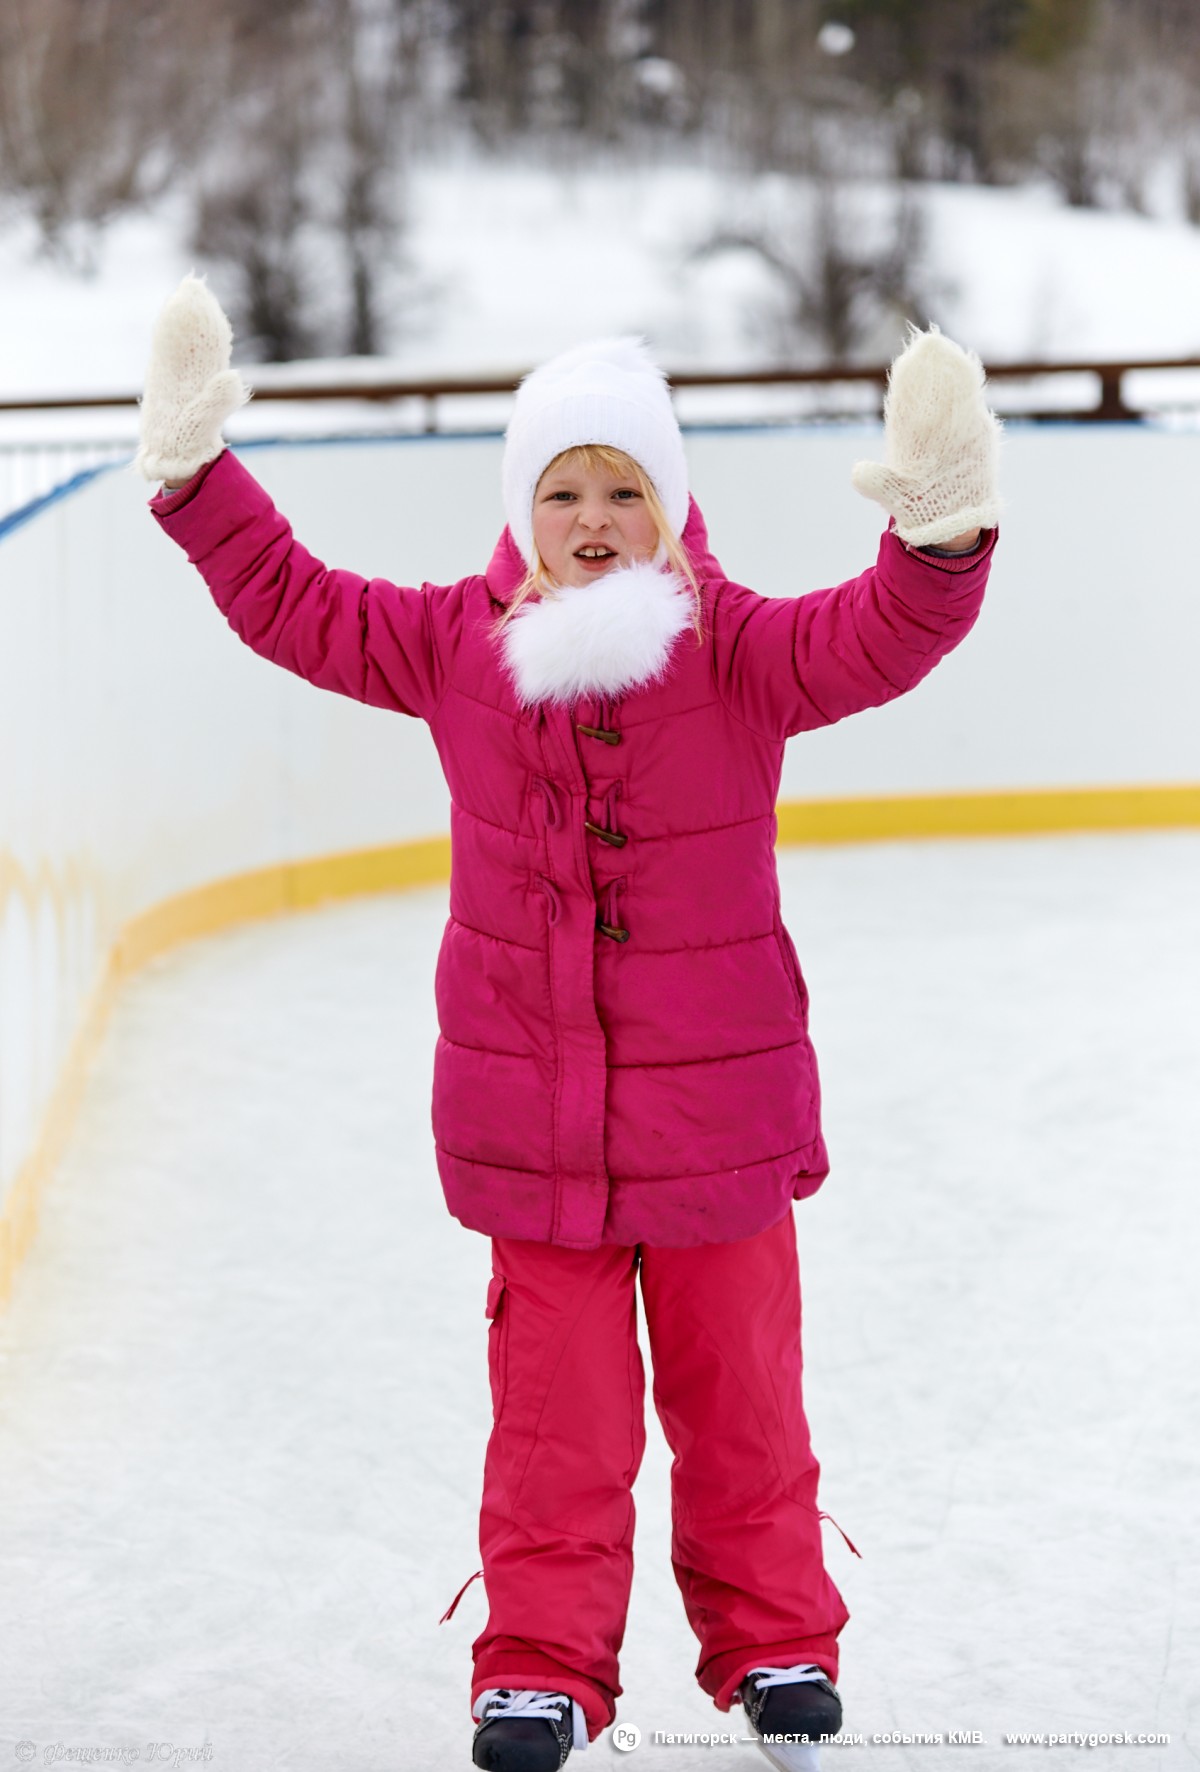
x=940, y=444
x=190, y=388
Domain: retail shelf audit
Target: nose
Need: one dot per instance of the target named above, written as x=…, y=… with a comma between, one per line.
x=593, y=514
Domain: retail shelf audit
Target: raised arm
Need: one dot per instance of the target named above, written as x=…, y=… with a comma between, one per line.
x=364, y=638
x=786, y=665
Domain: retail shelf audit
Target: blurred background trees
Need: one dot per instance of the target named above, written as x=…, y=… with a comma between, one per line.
x=285, y=128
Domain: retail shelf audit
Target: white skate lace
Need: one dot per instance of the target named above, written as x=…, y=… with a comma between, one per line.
x=499, y=1701
x=786, y=1676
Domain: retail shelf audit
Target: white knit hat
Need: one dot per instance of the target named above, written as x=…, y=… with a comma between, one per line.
x=608, y=391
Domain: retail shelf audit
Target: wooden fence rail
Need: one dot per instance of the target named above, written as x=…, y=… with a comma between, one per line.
x=1111, y=405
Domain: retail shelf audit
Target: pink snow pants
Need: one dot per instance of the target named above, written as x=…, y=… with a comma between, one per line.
x=568, y=1398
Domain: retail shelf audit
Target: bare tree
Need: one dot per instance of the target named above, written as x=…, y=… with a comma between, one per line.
x=256, y=199
x=373, y=81
x=838, y=295
x=99, y=99
x=253, y=224
x=291, y=122
x=1092, y=110
x=306, y=210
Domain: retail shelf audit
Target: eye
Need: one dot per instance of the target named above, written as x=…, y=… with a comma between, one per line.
x=627, y=492
x=559, y=497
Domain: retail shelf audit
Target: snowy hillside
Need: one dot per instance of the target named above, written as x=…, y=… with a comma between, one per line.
x=506, y=264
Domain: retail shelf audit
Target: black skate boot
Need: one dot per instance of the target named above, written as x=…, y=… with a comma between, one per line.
x=795, y=1708
x=526, y=1731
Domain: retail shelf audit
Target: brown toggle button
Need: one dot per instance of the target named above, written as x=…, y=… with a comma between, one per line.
x=613, y=934
x=617, y=838
x=601, y=733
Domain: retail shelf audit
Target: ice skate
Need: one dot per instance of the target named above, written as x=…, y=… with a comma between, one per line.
x=526, y=1731
x=796, y=1708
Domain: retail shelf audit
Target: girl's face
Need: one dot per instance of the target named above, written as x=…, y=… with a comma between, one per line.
x=588, y=521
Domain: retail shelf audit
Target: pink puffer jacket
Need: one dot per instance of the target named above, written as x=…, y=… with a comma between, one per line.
x=654, y=1084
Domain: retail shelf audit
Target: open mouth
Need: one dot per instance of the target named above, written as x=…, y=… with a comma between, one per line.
x=594, y=559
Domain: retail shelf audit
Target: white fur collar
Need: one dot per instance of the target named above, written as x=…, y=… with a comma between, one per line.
x=596, y=639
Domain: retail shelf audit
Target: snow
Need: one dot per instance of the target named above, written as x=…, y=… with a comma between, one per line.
x=504, y=263
x=511, y=262
x=244, y=1368
x=245, y=1376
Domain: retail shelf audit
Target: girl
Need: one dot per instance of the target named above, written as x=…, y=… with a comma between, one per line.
x=624, y=1083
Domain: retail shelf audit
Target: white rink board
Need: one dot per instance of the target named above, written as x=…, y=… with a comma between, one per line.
x=144, y=751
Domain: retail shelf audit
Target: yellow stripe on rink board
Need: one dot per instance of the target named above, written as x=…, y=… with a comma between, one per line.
x=1028, y=812
x=292, y=886
x=396, y=867
x=266, y=892
x=295, y=886
x=19, y=1215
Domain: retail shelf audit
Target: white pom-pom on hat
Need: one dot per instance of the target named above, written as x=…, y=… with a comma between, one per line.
x=609, y=390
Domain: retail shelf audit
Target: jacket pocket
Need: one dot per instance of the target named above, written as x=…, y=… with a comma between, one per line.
x=497, y=1312
x=791, y=963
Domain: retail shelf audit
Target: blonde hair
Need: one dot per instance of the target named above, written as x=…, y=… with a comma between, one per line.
x=594, y=457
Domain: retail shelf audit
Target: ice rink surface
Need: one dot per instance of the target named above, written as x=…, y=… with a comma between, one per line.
x=243, y=1379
